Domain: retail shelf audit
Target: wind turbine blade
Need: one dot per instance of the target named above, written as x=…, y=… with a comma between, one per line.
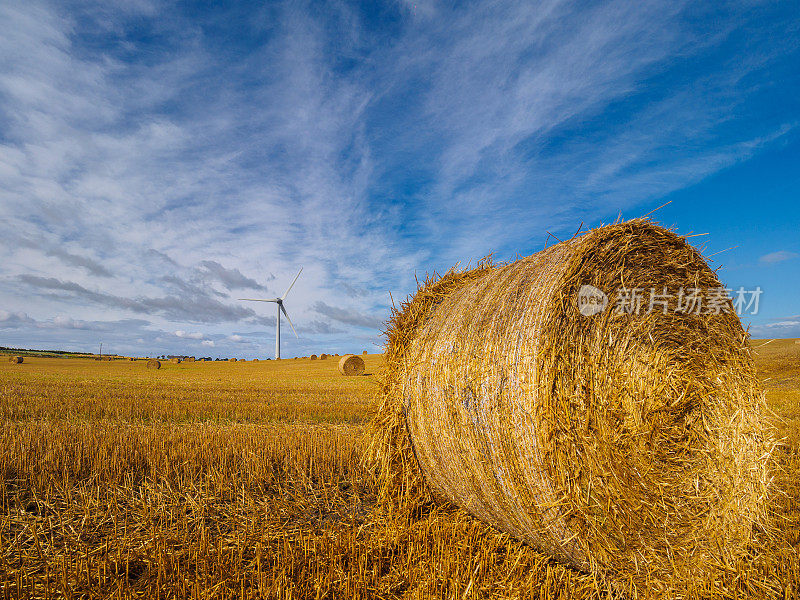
x=291, y=285
x=285, y=314
x=260, y=299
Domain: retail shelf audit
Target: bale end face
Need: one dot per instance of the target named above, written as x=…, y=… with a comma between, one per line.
x=351, y=365
x=153, y=364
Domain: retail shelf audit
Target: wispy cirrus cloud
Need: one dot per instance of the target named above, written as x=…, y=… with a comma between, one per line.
x=779, y=256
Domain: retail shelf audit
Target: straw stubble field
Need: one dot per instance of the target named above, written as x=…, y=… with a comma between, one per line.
x=220, y=480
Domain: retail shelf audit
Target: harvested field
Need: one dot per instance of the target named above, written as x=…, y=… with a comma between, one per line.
x=249, y=480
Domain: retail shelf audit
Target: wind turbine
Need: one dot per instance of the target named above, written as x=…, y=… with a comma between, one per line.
x=279, y=302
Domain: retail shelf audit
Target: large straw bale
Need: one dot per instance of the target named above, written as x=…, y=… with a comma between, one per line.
x=350, y=364
x=313, y=357
x=153, y=364
x=632, y=446
x=17, y=360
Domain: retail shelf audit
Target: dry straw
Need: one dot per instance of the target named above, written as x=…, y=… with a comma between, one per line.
x=632, y=446
x=153, y=364
x=350, y=364
x=15, y=360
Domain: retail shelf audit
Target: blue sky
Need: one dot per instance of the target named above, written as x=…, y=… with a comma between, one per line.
x=158, y=161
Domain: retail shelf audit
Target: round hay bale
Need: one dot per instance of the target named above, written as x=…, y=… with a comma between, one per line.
x=323, y=356
x=364, y=352
x=231, y=360
x=153, y=364
x=189, y=359
x=350, y=365
x=130, y=358
x=313, y=357
x=255, y=360
x=534, y=396
x=175, y=360
x=17, y=360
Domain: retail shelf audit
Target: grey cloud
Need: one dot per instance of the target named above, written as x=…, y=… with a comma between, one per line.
x=68, y=258
x=230, y=278
x=348, y=316
x=9, y=320
x=84, y=262
x=190, y=288
x=352, y=291
x=195, y=308
x=320, y=327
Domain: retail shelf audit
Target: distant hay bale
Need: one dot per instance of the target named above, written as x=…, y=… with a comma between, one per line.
x=350, y=365
x=131, y=358
x=231, y=360
x=17, y=360
x=364, y=352
x=189, y=359
x=632, y=445
x=313, y=357
x=255, y=360
x=323, y=356
x=153, y=364
x=175, y=360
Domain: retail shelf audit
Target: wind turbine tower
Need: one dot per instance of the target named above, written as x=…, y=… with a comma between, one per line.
x=280, y=309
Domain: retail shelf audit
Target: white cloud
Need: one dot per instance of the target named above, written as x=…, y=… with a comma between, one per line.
x=779, y=256
x=189, y=336
x=209, y=343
